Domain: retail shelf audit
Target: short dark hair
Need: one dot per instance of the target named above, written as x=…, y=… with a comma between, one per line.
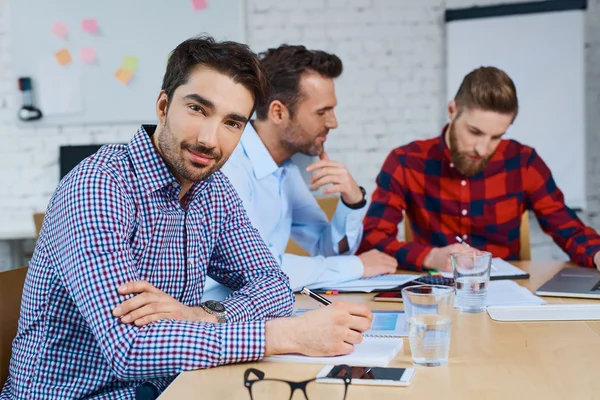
x=490, y=89
x=232, y=59
x=284, y=67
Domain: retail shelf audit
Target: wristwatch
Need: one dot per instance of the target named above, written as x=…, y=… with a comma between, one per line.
x=361, y=203
x=215, y=308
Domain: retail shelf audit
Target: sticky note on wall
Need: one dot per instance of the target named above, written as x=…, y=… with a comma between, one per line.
x=63, y=57
x=59, y=30
x=123, y=75
x=87, y=55
x=130, y=63
x=89, y=25
x=199, y=5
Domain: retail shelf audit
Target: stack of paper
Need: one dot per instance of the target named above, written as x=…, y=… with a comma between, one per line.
x=509, y=293
x=369, y=284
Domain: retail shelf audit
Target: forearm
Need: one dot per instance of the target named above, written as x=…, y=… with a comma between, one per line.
x=168, y=347
x=319, y=271
x=410, y=255
x=346, y=223
x=264, y=297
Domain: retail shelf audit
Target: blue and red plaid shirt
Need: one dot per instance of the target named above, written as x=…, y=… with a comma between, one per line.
x=116, y=218
x=419, y=179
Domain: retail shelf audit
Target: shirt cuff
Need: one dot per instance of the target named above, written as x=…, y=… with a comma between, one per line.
x=412, y=255
x=347, y=222
x=244, y=341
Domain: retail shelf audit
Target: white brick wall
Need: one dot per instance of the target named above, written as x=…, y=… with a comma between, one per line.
x=391, y=92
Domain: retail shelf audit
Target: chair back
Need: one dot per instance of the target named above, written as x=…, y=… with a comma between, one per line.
x=11, y=290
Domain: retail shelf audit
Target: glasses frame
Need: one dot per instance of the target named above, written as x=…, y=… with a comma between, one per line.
x=248, y=382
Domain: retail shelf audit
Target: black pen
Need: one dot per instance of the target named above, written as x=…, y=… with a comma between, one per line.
x=315, y=296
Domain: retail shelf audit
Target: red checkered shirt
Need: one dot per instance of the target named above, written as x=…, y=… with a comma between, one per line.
x=419, y=179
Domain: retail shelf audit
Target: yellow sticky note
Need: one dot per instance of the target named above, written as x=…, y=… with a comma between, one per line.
x=123, y=75
x=63, y=57
x=130, y=63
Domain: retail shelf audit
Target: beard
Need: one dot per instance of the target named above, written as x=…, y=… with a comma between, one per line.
x=173, y=155
x=461, y=160
x=297, y=140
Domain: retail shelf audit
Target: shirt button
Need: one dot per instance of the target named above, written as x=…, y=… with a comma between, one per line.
x=464, y=183
x=191, y=261
x=451, y=165
x=174, y=184
x=464, y=212
x=465, y=236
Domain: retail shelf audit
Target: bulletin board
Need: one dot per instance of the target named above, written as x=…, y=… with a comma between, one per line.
x=99, y=62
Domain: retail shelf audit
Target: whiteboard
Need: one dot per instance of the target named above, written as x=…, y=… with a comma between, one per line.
x=544, y=55
x=148, y=29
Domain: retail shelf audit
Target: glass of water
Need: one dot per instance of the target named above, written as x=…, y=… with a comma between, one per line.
x=471, y=271
x=428, y=310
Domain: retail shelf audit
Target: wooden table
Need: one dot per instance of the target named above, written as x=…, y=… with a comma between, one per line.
x=488, y=360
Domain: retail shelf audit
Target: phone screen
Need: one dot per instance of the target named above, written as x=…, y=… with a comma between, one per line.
x=366, y=373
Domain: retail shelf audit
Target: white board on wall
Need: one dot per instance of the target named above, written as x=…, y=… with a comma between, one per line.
x=543, y=52
x=147, y=29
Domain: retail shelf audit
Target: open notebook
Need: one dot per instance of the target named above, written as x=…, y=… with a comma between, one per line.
x=381, y=344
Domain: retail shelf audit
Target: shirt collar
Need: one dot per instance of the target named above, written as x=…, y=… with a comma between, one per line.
x=149, y=166
x=262, y=162
x=444, y=151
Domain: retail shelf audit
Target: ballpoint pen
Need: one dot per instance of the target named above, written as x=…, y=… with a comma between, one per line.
x=459, y=239
x=315, y=296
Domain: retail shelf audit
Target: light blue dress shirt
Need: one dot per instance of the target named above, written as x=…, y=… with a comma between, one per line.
x=280, y=205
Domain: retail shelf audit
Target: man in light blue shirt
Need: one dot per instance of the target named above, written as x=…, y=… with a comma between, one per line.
x=297, y=119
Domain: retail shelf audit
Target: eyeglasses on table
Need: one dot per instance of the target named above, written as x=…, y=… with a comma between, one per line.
x=261, y=388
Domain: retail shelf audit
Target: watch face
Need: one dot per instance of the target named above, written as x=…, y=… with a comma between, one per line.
x=215, y=306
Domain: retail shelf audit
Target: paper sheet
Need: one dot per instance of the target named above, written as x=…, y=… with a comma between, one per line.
x=506, y=292
x=59, y=88
x=503, y=268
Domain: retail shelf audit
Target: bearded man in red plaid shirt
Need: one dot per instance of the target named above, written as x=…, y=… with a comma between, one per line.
x=472, y=183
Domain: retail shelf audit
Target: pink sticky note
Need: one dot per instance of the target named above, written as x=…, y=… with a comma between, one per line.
x=60, y=30
x=89, y=25
x=87, y=55
x=199, y=5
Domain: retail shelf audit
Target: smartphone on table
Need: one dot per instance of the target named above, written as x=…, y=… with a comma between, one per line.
x=368, y=375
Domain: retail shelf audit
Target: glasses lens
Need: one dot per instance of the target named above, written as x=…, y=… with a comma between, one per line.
x=331, y=391
x=266, y=389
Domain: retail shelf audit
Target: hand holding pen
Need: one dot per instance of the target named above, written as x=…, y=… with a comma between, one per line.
x=459, y=239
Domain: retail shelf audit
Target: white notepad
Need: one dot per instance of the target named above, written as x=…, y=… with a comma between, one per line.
x=372, y=352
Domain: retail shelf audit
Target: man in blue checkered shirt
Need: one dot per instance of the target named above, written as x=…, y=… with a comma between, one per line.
x=140, y=227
